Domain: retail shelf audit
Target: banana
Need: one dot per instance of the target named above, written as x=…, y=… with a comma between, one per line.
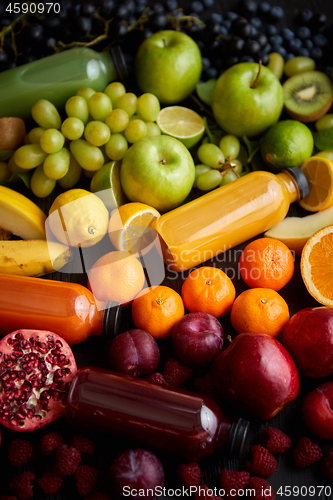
x=32, y=257
x=21, y=216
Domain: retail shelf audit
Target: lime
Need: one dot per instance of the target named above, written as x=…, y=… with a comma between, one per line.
x=288, y=143
x=182, y=124
x=106, y=185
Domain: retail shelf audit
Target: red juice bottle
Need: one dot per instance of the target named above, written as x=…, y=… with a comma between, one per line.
x=168, y=419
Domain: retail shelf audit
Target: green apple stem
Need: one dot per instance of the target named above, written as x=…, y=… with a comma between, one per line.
x=163, y=161
x=164, y=42
x=253, y=86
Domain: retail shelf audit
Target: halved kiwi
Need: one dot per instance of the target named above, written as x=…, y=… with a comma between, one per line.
x=308, y=95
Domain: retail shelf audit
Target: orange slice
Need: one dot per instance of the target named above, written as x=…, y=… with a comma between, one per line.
x=317, y=265
x=319, y=173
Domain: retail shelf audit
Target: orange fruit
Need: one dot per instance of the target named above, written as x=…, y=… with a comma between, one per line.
x=208, y=289
x=319, y=173
x=266, y=263
x=116, y=276
x=317, y=265
x=259, y=310
x=157, y=309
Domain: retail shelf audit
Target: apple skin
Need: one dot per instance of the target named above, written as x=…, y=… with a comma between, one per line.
x=317, y=411
x=308, y=336
x=197, y=339
x=158, y=171
x=168, y=64
x=242, y=110
x=257, y=375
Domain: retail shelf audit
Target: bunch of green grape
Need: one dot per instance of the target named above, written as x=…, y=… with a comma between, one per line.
x=219, y=164
x=99, y=127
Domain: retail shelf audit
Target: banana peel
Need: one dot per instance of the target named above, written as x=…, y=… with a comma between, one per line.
x=33, y=257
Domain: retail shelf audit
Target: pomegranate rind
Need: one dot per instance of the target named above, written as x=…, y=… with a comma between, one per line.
x=36, y=370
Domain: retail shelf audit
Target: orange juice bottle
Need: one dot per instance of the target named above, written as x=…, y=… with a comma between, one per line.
x=228, y=216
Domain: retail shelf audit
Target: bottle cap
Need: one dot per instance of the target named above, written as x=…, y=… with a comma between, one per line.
x=111, y=320
x=301, y=181
x=119, y=62
x=237, y=437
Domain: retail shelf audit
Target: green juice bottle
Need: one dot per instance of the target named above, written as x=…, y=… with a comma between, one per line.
x=58, y=77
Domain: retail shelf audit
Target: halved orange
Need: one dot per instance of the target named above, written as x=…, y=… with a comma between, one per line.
x=317, y=265
x=319, y=173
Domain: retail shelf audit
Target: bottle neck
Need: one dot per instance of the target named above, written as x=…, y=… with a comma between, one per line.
x=111, y=320
x=290, y=184
x=232, y=436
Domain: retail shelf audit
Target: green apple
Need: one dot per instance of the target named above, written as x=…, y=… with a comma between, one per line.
x=158, y=171
x=246, y=101
x=168, y=64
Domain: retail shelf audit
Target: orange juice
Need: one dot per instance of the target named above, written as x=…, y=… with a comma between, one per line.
x=227, y=216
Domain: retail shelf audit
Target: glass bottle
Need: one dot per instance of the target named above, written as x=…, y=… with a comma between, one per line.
x=228, y=216
x=168, y=419
x=68, y=309
x=58, y=77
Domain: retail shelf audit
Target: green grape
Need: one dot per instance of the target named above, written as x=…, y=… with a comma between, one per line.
x=51, y=141
x=135, y=131
x=128, y=102
x=116, y=147
x=136, y=116
x=229, y=176
x=89, y=157
x=114, y=90
x=325, y=121
x=5, y=172
x=72, y=128
x=152, y=129
x=236, y=166
x=100, y=106
x=200, y=169
x=46, y=114
x=299, y=64
x=56, y=165
x=276, y=64
x=77, y=107
x=208, y=180
x=88, y=173
x=148, y=107
x=73, y=175
x=211, y=155
x=41, y=185
x=29, y=156
x=230, y=146
x=85, y=92
x=26, y=139
x=35, y=135
x=97, y=133
x=117, y=120
x=13, y=167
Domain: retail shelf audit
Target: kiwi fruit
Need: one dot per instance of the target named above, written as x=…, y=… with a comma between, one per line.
x=308, y=95
x=12, y=132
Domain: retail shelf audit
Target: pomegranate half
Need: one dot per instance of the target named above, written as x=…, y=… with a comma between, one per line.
x=36, y=370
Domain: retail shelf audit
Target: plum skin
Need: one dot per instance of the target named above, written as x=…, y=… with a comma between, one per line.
x=317, y=410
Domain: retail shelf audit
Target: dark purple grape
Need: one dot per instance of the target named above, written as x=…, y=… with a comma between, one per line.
x=287, y=34
x=205, y=63
x=36, y=31
x=261, y=38
x=289, y=56
x=246, y=59
x=211, y=73
x=276, y=13
x=231, y=60
x=316, y=53
x=236, y=44
x=318, y=20
x=159, y=20
x=252, y=47
x=295, y=44
x=308, y=44
x=215, y=17
x=303, y=51
x=84, y=24
x=197, y=7
x=208, y=3
x=256, y=22
x=266, y=48
x=171, y=5
x=271, y=29
x=276, y=40
x=264, y=59
x=231, y=15
x=264, y=8
x=224, y=30
x=282, y=51
x=304, y=16
x=4, y=22
x=320, y=40
x=88, y=9
x=303, y=32
x=247, y=7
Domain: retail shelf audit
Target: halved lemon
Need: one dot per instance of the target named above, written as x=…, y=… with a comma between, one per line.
x=319, y=173
x=130, y=228
x=181, y=123
x=317, y=266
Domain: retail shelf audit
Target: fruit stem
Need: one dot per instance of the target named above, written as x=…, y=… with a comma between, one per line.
x=164, y=42
x=253, y=86
x=163, y=161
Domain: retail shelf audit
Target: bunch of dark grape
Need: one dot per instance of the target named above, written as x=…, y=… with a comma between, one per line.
x=251, y=32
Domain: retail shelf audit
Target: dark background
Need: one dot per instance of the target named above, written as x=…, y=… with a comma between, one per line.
x=93, y=351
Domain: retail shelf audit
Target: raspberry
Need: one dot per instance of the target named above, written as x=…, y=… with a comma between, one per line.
x=204, y=492
x=157, y=378
x=86, y=478
x=306, y=453
x=206, y=386
x=233, y=480
x=98, y=495
x=20, y=451
x=327, y=465
x=176, y=373
x=83, y=444
x=50, y=482
x=261, y=461
x=189, y=475
x=262, y=490
x=49, y=443
x=22, y=485
x=274, y=440
x=67, y=460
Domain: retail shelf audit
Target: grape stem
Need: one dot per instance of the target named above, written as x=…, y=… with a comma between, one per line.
x=228, y=165
x=201, y=106
x=10, y=28
x=253, y=86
